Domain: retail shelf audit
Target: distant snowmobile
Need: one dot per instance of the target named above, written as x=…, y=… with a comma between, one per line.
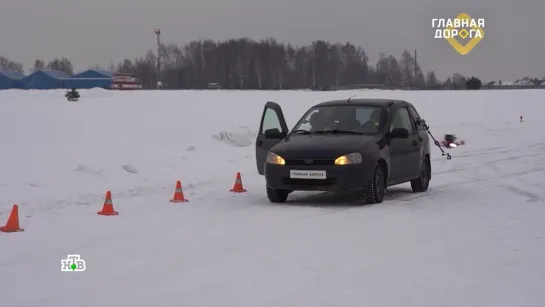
x=450, y=141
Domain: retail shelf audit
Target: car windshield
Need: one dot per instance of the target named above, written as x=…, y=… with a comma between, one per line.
x=340, y=119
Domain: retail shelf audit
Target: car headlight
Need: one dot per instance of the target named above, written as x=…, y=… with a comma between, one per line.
x=273, y=158
x=352, y=158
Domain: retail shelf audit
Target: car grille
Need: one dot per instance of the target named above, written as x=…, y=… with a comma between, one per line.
x=314, y=162
x=310, y=182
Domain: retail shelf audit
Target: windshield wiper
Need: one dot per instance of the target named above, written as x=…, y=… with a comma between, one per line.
x=337, y=131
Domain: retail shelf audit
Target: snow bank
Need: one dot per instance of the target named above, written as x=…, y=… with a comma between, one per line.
x=238, y=137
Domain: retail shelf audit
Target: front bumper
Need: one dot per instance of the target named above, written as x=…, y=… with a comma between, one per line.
x=338, y=177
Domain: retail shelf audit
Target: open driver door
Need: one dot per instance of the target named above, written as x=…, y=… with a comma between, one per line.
x=272, y=130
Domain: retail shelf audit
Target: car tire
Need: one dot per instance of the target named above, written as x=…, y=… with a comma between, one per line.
x=422, y=183
x=277, y=196
x=374, y=193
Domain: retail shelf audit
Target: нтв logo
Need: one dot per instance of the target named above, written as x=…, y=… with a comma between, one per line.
x=73, y=263
x=463, y=33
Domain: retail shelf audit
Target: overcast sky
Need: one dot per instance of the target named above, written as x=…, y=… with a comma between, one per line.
x=105, y=31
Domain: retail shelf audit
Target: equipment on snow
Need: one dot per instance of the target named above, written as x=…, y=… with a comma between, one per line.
x=423, y=122
x=450, y=141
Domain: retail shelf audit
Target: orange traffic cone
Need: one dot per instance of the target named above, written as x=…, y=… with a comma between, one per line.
x=178, y=194
x=13, y=221
x=108, y=207
x=237, y=187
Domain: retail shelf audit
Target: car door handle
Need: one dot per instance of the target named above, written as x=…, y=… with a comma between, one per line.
x=259, y=143
x=415, y=143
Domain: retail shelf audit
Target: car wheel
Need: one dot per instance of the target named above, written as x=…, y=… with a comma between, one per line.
x=277, y=196
x=422, y=183
x=374, y=194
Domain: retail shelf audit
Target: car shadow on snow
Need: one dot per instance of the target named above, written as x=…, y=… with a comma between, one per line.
x=344, y=199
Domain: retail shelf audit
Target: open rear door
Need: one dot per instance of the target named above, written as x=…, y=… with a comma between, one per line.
x=272, y=130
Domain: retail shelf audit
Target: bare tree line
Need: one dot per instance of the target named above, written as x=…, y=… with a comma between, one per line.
x=62, y=64
x=267, y=64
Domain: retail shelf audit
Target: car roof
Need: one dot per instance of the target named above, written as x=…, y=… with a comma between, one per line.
x=378, y=102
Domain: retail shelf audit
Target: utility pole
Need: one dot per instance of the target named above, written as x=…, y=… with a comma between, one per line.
x=415, y=68
x=158, y=33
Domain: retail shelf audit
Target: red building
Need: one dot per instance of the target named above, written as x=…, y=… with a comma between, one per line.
x=123, y=81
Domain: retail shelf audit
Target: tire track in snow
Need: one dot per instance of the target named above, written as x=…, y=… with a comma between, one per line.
x=495, y=172
x=492, y=151
x=478, y=164
x=532, y=197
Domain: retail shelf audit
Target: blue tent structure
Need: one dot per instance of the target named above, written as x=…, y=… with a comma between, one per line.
x=52, y=79
x=94, y=73
x=91, y=78
x=11, y=80
x=44, y=80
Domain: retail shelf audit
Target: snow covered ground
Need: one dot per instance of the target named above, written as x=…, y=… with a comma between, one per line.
x=476, y=238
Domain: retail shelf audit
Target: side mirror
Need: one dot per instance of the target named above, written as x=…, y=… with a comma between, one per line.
x=274, y=134
x=398, y=133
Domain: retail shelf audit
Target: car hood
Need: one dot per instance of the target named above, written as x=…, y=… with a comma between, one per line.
x=328, y=146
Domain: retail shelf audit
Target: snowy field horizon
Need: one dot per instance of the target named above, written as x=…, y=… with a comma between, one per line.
x=476, y=238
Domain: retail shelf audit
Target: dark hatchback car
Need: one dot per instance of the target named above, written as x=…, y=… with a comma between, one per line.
x=342, y=145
